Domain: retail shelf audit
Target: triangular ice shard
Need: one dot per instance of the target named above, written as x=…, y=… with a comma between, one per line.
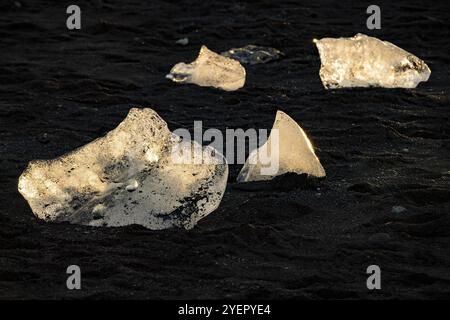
x=210, y=70
x=129, y=176
x=363, y=61
x=287, y=149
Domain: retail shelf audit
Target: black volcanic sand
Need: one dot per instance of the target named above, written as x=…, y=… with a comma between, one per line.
x=381, y=148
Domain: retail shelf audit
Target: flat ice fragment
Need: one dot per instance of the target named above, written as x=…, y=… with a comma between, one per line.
x=129, y=176
x=398, y=209
x=363, y=61
x=210, y=70
x=251, y=54
x=291, y=149
x=182, y=41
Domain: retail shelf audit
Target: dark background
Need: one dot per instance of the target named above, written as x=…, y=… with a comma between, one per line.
x=61, y=89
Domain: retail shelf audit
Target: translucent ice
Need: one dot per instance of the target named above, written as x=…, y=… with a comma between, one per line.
x=182, y=41
x=210, y=70
x=292, y=151
x=129, y=176
x=363, y=61
x=251, y=54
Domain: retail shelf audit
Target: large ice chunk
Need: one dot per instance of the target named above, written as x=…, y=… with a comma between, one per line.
x=210, y=70
x=129, y=176
x=363, y=61
x=289, y=147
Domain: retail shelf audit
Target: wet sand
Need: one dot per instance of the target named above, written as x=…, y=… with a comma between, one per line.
x=381, y=148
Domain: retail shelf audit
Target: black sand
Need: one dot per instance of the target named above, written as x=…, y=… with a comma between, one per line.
x=60, y=89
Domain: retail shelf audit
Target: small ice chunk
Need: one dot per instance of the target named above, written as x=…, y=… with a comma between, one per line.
x=210, y=70
x=129, y=176
x=398, y=209
x=251, y=54
x=182, y=41
x=363, y=61
x=291, y=150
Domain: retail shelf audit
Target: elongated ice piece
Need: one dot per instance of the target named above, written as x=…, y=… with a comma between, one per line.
x=289, y=147
x=129, y=176
x=251, y=54
x=363, y=61
x=210, y=70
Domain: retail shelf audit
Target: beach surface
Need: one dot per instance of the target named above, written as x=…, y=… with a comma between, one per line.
x=381, y=148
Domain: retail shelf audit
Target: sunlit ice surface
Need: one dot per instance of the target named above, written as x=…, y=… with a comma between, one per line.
x=287, y=149
x=363, y=61
x=210, y=70
x=129, y=176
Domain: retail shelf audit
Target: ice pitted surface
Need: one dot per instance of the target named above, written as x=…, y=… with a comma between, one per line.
x=210, y=70
x=363, y=61
x=251, y=54
x=294, y=151
x=129, y=176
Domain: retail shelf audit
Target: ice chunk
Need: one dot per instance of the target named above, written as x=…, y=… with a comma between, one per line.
x=363, y=61
x=251, y=54
x=398, y=209
x=182, y=41
x=129, y=176
x=292, y=151
x=210, y=70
